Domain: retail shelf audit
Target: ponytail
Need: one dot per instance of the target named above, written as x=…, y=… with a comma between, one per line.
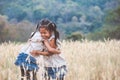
x=56, y=33
x=35, y=31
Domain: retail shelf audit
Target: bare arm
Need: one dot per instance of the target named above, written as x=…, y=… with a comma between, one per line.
x=38, y=52
x=51, y=49
x=51, y=46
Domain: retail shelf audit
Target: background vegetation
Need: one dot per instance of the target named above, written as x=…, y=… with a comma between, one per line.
x=85, y=61
x=93, y=19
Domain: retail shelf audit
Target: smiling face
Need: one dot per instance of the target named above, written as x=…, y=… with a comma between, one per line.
x=45, y=33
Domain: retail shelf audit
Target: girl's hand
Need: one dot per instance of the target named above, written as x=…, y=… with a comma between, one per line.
x=44, y=39
x=51, y=46
x=37, y=53
x=34, y=53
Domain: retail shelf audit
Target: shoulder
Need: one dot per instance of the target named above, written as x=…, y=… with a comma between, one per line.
x=57, y=45
x=52, y=43
x=52, y=37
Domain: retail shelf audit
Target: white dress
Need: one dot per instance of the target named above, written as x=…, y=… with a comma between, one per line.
x=55, y=60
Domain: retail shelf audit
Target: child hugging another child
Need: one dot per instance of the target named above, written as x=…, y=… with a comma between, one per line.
x=27, y=62
x=54, y=63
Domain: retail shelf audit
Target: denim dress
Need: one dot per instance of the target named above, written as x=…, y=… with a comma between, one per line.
x=25, y=59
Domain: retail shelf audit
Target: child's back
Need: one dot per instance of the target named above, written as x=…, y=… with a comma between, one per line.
x=35, y=43
x=25, y=58
x=26, y=61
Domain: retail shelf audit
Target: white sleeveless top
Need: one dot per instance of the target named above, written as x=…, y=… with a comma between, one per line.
x=55, y=60
x=35, y=43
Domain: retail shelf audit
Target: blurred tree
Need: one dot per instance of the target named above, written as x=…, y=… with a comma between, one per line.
x=74, y=19
x=68, y=14
x=113, y=16
x=113, y=20
x=75, y=36
x=3, y=28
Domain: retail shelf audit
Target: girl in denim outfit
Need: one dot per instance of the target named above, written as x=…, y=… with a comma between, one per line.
x=27, y=62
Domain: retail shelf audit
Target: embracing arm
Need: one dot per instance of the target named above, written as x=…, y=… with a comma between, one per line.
x=51, y=49
x=51, y=46
x=38, y=52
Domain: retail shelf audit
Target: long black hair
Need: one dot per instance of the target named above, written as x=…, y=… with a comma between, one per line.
x=50, y=26
x=37, y=29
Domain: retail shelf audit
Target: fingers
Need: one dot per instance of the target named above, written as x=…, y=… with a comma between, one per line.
x=33, y=53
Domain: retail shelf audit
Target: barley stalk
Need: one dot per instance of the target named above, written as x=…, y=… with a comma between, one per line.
x=86, y=60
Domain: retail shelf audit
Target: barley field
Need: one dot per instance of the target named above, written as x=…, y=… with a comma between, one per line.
x=86, y=60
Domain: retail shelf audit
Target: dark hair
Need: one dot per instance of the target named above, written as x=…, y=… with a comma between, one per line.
x=50, y=26
x=37, y=28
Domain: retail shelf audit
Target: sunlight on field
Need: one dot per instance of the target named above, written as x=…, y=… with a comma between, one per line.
x=86, y=60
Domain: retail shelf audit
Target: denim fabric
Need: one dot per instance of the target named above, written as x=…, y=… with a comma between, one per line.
x=55, y=72
x=29, y=64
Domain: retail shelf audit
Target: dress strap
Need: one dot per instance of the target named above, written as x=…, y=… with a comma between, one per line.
x=53, y=36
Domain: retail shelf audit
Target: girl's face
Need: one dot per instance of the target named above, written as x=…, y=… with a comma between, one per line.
x=45, y=33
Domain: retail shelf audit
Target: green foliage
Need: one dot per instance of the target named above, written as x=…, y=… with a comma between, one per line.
x=115, y=34
x=113, y=16
x=107, y=31
x=71, y=17
x=37, y=9
x=110, y=28
x=113, y=22
x=75, y=36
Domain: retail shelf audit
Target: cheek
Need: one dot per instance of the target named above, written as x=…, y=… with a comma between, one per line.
x=48, y=35
x=42, y=35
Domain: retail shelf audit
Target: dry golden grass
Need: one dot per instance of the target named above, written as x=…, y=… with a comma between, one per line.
x=86, y=60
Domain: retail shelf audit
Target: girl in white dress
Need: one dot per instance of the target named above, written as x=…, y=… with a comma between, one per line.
x=54, y=62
